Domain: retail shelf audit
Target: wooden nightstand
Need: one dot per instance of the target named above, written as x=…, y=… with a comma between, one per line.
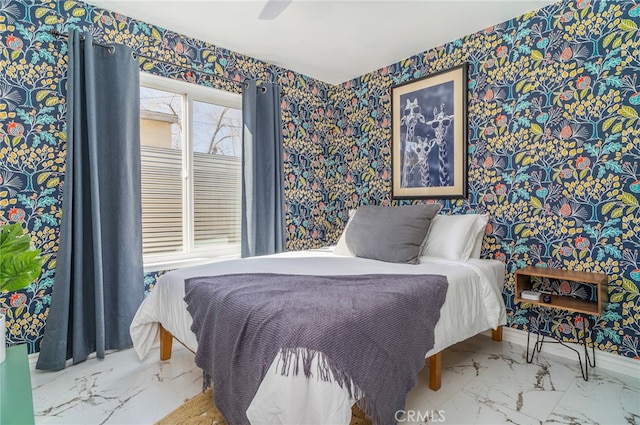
x=524, y=280
x=16, y=401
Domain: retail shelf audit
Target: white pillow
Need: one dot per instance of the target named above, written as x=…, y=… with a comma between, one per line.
x=481, y=225
x=453, y=236
x=341, y=247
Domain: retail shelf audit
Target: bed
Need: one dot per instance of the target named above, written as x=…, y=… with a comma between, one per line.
x=475, y=287
x=383, y=241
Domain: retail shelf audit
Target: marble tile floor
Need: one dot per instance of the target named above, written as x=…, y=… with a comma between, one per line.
x=483, y=382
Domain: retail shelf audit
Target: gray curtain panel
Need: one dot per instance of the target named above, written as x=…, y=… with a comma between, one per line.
x=98, y=283
x=263, y=205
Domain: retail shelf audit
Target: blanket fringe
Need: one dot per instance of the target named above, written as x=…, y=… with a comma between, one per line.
x=206, y=381
x=289, y=360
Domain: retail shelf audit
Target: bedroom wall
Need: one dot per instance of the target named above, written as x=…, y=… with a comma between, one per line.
x=32, y=130
x=553, y=150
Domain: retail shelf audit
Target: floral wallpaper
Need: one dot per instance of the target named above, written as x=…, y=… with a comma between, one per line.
x=553, y=149
x=33, y=132
x=553, y=152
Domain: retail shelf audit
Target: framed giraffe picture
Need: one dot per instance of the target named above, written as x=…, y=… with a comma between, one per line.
x=429, y=144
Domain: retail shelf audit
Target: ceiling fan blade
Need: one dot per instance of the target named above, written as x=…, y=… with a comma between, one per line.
x=273, y=8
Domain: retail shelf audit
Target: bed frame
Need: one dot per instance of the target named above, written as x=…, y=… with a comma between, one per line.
x=435, y=361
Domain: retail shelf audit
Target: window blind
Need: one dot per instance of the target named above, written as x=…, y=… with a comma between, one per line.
x=161, y=200
x=216, y=203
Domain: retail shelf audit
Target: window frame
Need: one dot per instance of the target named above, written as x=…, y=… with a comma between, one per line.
x=190, y=255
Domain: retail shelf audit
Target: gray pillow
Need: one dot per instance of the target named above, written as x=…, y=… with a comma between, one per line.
x=392, y=234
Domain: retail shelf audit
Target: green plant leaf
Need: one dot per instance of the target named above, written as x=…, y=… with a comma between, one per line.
x=19, y=270
x=13, y=239
x=20, y=265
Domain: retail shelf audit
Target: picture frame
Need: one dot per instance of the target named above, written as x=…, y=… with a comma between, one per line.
x=429, y=136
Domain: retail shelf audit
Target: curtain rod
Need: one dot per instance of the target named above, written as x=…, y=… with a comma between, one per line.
x=93, y=42
x=137, y=55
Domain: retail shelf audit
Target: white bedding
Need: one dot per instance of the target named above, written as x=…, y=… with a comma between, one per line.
x=473, y=304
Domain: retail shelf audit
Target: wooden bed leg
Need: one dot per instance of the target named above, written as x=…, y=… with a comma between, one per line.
x=435, y=371
x=496, y=334
x=166, y=340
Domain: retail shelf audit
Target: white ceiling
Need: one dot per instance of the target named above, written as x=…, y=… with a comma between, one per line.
x=332, y=41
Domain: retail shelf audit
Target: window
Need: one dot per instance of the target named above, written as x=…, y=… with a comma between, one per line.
x=191, y=148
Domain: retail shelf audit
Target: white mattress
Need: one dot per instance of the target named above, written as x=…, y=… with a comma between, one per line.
x=473, y=304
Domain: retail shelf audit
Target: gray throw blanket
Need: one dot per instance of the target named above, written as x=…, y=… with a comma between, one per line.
x=370, y=331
